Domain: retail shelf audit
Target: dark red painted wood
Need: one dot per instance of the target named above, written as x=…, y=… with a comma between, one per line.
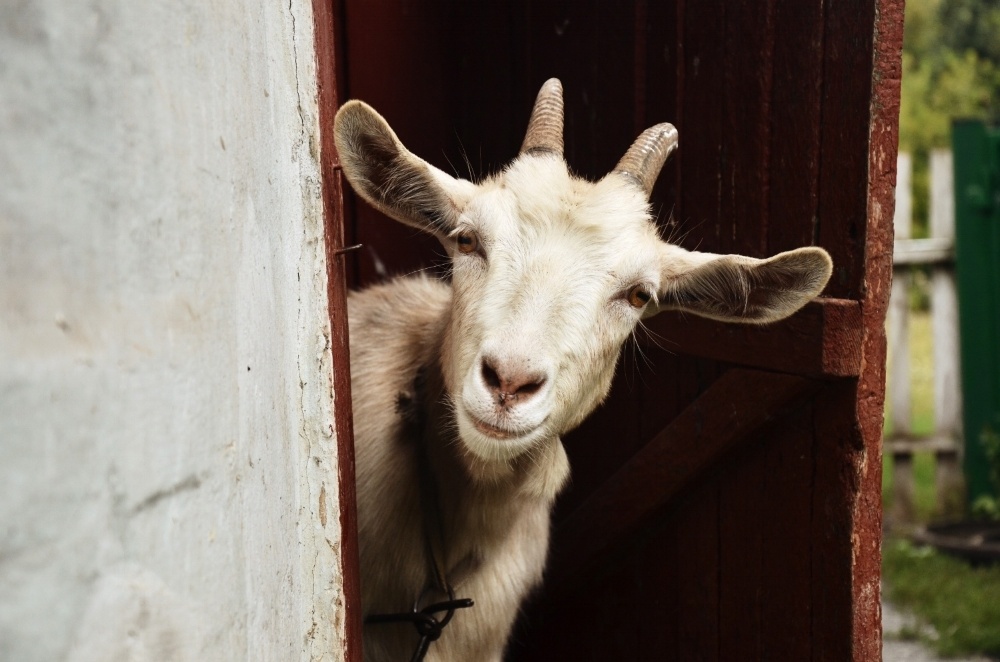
x=795, y=115
x=700, y=123
x=590, y=45
x=822, y=340
x=786, y=577
x=327, y=40
x=745, y=99
x=844, y=127
x=691, y=445
x=698, y=626
x=620, y=419
x=741, y=522
x=837, y=448
x=659, y=90
x=660, y=571
x=883, y=141
x=396, y=61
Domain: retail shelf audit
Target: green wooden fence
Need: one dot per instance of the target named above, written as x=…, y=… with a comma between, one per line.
x=976, y=149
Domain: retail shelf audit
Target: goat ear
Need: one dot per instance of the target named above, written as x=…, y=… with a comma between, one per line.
x=391, y=178
x=734, y=288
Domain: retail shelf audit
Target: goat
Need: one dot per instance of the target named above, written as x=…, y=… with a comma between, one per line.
x=462, y=390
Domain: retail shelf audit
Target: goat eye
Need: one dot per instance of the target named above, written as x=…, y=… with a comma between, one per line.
x=638, y=296
x=467, y=242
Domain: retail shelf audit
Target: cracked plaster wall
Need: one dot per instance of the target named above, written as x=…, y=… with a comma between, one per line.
x=165, y=404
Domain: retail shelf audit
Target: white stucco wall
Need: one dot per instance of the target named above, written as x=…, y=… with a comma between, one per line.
x=165, y=403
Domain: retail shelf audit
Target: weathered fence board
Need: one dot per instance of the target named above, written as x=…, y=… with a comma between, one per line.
x=936, y=252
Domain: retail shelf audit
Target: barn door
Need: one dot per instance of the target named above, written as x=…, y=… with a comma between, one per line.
x=725, y=502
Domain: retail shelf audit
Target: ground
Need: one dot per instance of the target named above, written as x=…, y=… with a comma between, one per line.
x=896, y=648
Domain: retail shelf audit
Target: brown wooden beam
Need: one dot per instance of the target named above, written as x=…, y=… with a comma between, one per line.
x=821, y=340
x=328, y=39
x=737, y=405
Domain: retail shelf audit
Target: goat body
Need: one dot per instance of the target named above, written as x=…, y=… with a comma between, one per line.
x=495, y=518
x=462, y=390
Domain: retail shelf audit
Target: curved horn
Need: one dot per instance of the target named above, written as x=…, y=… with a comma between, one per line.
x=545, y=128
x=644, y=159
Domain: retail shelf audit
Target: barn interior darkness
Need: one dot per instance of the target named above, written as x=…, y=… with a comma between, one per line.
x=771, y=99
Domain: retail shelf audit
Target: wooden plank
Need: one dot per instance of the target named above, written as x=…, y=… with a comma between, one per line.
x=795, y=117
x=698, y=591
x=734, y=407
x=942, y=216
x=745, y=98
x=660, y=94
x=902, y=217
x=932, y=250
x=700, y=122
x=328, y=41
x=414, y=94
x=899, y=307
x=786, y=563
x=944, y=302
x=591, y=455
x=821, y=340
x=590, y=45
x=944, y=443
x=949, y=483
x=944, y=329
x=659, y=558
x=844, y=135
x=904, y=509
x=883, y=19
x=835, y=490
x=603, y=618
x=741, y=523
x=487, y=120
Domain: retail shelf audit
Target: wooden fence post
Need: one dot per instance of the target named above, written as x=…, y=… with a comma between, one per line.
x=903, y=510
x=944, y=327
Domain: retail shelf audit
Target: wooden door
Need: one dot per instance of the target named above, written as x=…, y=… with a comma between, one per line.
x=725, y=501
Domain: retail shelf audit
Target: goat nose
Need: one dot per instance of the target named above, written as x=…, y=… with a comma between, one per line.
x=509, y=384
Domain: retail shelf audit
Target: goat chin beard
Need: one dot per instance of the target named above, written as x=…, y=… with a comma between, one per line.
x=493, y=444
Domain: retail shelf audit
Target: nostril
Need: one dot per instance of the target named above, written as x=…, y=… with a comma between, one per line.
x=490, y=376
x=530, y=387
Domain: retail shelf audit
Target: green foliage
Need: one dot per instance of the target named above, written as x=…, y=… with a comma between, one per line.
x=958, y=601
x=951, y=69
x=986, y=506
x=990, y=439
x=972, y=24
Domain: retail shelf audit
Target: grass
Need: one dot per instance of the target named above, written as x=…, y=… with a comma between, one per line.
x=960, y=602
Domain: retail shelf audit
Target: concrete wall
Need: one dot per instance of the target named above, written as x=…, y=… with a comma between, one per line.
x=167, y=463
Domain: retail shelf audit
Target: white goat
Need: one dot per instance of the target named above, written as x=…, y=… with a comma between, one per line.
x=462, y=390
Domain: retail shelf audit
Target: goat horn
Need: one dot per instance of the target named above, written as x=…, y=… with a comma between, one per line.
x=644, y=159
x=545, y=128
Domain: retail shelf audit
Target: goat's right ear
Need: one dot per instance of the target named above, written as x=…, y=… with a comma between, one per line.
x=735, y=288
x=391, y=178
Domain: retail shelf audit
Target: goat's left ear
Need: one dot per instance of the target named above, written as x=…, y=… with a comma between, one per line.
x=391, y=178
x=734, y=288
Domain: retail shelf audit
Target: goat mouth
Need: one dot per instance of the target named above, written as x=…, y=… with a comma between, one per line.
x=491, y=430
